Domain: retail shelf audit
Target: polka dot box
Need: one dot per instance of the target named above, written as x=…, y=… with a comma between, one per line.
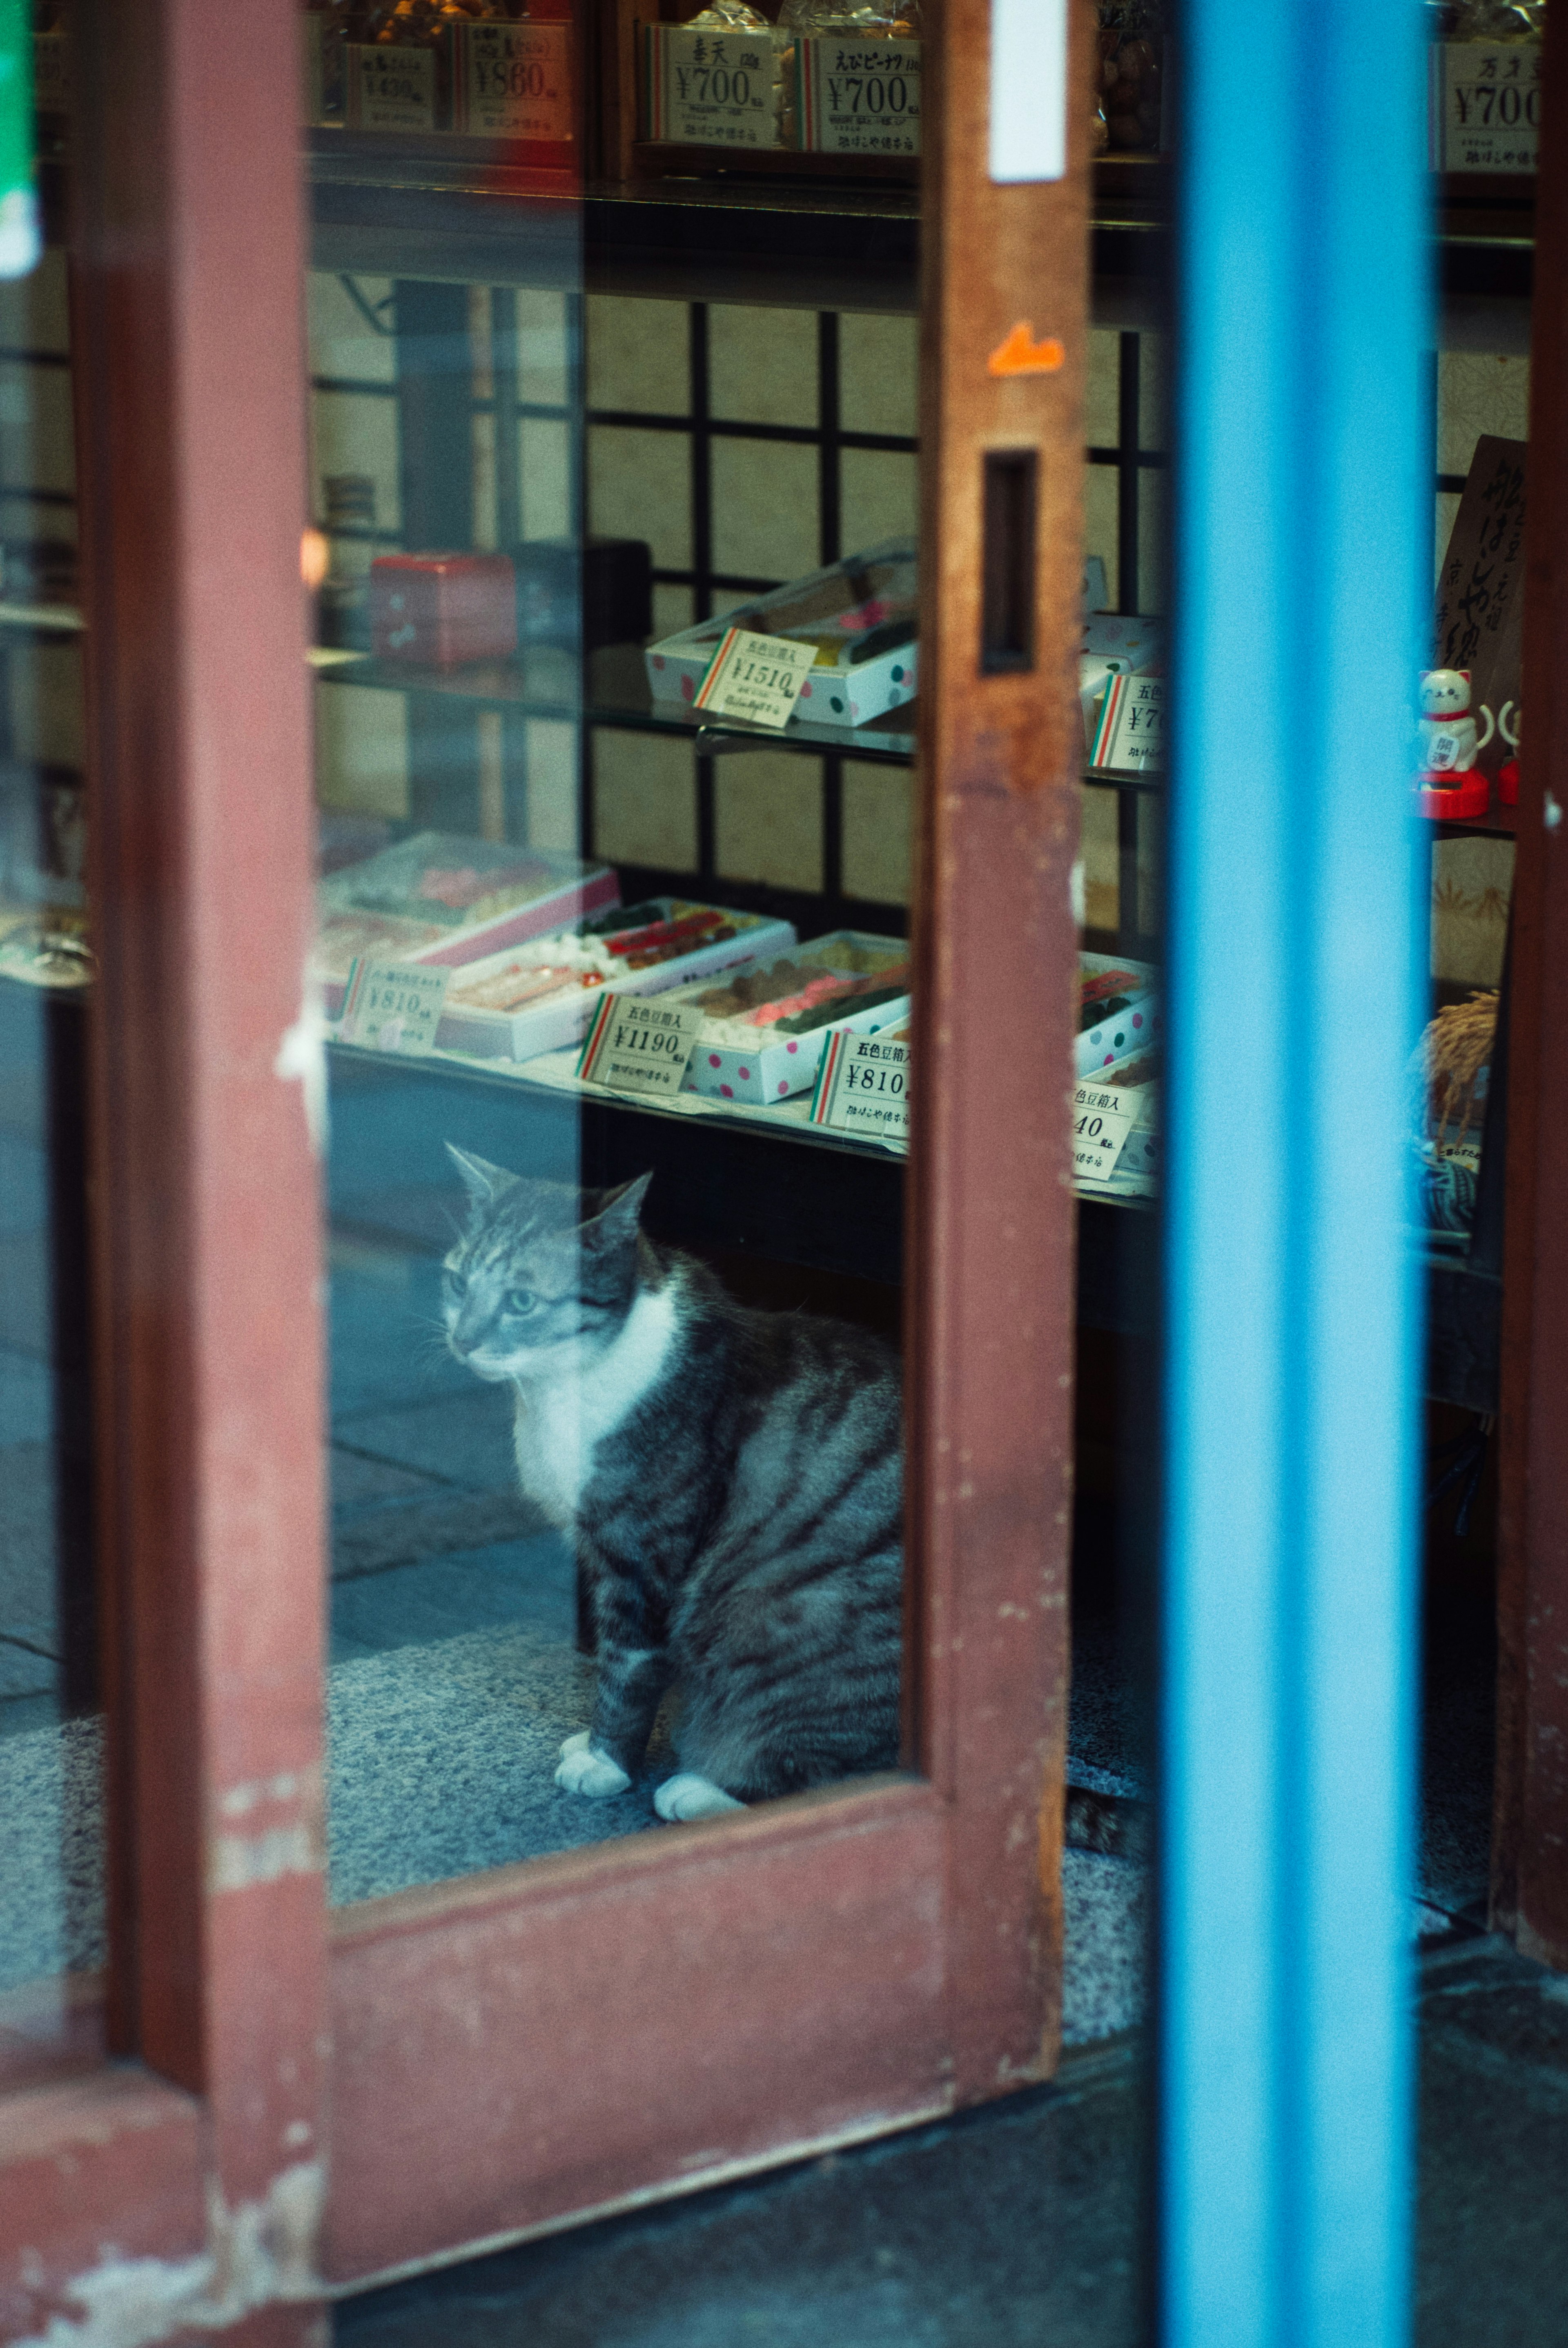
x=767, y=1071
x=862, y=608
x=1130, y=1031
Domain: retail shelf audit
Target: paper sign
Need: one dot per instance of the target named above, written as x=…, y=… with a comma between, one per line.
x=711, y=88
x=389, y=88
x=756, y=677
x=1137, y=1173
x=1479, y=614
x=515, y=81
x=393, y=1006
x=863, y=1087
x=1103, y=1116
x=1484, y=105
x=1131, y=734
x=857, y=98
x=639, y=1046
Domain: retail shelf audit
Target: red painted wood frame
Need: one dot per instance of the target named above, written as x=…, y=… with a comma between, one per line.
x=1529, y=1861
x=511, y=2051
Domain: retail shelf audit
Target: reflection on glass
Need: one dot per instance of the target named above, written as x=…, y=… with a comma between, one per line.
x=620, y=998
x=51, y=1888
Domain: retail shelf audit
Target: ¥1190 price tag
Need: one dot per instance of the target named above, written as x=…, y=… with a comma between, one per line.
x=393, y=1006
x=639, y=1045
x=863, y=1087
x=1103, y=1116
x=755, y=677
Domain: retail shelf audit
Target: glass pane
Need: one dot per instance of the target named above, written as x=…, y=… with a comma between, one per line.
x=51, y=1866
x=616, y=1160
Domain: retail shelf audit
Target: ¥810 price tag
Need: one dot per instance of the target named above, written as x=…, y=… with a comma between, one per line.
x=863, y=1087
x=1103, y=1116
x=393, y=1006
x=756, y=677
x=639, y=1046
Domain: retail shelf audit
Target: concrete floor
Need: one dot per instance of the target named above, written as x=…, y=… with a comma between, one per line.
x=1026, y=2224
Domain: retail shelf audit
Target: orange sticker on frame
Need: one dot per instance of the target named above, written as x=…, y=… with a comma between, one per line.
x=1021, y=354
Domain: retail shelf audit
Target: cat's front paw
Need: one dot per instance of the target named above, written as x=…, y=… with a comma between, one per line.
x=688, y=1796
x=583, y=1771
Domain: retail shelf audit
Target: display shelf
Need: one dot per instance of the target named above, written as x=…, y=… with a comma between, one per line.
x=435, y=208
x=41, y=619
x=611, y=688
x=762, y=1181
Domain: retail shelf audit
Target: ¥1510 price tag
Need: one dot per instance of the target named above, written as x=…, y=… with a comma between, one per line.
x=639, y=1045
x=863, y=1087
x=756, y=677
x=1103, y=1116
x=393, y=1006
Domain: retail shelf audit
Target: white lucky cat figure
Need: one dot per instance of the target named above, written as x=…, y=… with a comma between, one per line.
x=1446, y=730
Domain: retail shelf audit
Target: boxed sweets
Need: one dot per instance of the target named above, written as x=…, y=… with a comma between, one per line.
x=765, y=1025
x=859, y=614
x=537, y=997
x=439, y=611
x=441, y=898
x=1113, y=646
x=1118, y=1020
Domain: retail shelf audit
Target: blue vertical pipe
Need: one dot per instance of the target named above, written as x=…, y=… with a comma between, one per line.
x=1303, y=571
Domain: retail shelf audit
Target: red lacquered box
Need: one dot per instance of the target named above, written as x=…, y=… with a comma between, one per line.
x=438, y=610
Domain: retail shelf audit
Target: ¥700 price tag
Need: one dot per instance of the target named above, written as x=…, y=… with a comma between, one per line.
x=863, y=1087
x=639, y=1046
x=755, y=677
x=393, y=1006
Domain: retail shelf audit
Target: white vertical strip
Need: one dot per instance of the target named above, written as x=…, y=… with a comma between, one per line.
x=1028, y=89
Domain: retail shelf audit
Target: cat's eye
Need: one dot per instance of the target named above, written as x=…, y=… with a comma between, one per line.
x=456, y=1281
x=520, y=1300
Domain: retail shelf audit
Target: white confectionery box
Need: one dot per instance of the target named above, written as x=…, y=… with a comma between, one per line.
x=588, y=961
x=1123, y=1034
x=1112, y=646
x=860, y=615
x=440, y=898
x=763, y=1064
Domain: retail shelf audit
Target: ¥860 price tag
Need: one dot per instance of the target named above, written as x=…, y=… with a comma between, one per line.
x=756, y=677
x=639, y=1046
x=1103, y=1116
x=393, y=1006
x=863, y=1087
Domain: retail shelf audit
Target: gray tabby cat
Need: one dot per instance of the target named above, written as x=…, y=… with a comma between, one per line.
x=733, y=1480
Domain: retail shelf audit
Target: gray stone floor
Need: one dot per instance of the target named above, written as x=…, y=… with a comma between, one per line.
x=1026, y=2225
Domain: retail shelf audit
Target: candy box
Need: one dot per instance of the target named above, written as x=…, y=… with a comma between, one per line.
x=540, y=996
x=860, y=614
x=765, y=1027
x=1113, y=646
x=437, y=610
x=439, y=897
x=1119, y=1014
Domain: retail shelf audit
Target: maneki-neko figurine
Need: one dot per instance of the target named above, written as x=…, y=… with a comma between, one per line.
x=1451, y=786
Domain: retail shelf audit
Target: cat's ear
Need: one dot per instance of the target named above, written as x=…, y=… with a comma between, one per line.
x=481, y=1180
x=616, y=1221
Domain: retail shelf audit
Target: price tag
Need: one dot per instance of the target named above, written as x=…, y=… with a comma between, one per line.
x=639, y=1046
x=857, y=98
x=712, y=89
x=863, y=1087
x=393, y=1006
x=516, y=81
x=389, y=88
x=1137, y=1171
x=758, y=677
x=1103, y=1116
x=1131, y=734
x=1485, y=109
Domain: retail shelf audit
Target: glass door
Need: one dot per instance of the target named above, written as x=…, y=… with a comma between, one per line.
x=695, y=773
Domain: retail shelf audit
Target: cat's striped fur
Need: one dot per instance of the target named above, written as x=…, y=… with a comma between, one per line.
x=733, y=1480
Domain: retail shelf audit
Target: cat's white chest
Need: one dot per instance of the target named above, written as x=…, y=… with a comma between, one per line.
x=560, y=1425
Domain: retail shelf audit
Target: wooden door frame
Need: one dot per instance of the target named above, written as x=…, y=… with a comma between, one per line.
x=516, y=2049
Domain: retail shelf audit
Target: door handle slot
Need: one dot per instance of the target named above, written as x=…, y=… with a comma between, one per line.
x=1008, y=560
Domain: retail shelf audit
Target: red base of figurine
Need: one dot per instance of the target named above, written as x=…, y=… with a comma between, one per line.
x=1453, y=799
x=1507, y=783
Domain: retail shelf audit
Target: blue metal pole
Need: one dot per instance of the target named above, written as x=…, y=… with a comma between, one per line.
x=1303, y=571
